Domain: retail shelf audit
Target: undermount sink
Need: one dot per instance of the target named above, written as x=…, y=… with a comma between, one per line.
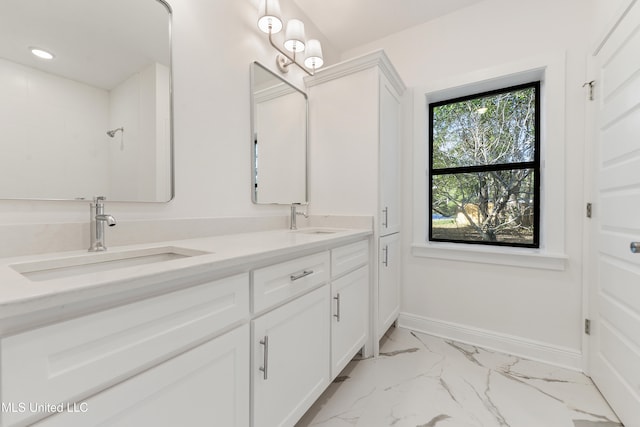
x=59, y=268
x=317, y=231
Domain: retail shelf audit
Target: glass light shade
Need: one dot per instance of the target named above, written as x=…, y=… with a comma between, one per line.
x=294, y=36
x=269, y=16
x=314, y=54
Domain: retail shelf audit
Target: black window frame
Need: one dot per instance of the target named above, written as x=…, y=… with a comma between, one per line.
x=535, y=165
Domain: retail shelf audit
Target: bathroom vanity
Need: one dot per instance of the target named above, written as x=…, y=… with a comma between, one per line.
x=234, y=330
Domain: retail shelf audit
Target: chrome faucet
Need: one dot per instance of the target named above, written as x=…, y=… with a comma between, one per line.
x=294, y=214
x=97, y=221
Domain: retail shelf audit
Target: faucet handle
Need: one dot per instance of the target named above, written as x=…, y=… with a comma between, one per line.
x=98, y=199
x=304, y=214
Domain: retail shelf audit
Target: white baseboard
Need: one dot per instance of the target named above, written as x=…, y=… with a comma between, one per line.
x=495, y=341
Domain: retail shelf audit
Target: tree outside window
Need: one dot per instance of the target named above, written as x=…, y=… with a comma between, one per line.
x=485, y=168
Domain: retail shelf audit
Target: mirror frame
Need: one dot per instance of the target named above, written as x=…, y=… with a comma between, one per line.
x=254, y=196
x=171, y=164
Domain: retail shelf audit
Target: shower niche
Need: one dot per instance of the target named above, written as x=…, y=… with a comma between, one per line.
x=96, y=117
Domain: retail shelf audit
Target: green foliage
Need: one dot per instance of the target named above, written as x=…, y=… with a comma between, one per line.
x=488, y=131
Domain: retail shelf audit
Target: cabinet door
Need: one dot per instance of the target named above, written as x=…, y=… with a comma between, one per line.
x=388, y=282
x=389, y=214
x=349, y=317
x=206, y=386
x=290, y=365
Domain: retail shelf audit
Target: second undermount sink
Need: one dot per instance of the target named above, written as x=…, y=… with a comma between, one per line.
x=63, y=267
x=317, y=230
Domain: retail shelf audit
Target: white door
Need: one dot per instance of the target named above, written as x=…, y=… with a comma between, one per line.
x=614, y=359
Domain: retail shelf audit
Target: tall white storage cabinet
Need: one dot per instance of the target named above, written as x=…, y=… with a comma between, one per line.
x=355, y=116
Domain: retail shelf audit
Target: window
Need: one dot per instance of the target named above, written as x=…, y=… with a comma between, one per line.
x=485, y=168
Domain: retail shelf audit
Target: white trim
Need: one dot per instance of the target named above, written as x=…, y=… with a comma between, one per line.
x=550, y=70
x=495, y=341
x=514, y=257
x=374, y=59
x=277, y=91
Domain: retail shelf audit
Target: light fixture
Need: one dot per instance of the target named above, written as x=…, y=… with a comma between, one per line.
x=270, y=22
x=481, y=110
x=294, y=36
x=270, y=16
x=41, y=53
x=314, y=55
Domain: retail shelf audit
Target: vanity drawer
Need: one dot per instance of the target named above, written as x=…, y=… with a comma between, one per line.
x=349, y=257
x=279, y=282
x=70, y=360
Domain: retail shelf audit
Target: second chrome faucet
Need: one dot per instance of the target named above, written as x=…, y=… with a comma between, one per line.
x=98, y=219
x=294, y=214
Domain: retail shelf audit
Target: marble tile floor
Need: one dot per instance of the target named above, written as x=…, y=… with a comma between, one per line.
x=424, y=381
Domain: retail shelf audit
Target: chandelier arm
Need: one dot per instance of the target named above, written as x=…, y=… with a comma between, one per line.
x=291, y=60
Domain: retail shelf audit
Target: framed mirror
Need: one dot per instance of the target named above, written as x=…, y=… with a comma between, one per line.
x=92, y=114
x=279, y=139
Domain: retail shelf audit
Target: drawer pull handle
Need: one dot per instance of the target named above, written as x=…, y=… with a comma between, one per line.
x=305, y=273
x=337, y=315
x=265, y=357
x=385, y=260
x=385, y=211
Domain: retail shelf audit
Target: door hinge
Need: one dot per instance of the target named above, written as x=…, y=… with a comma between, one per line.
x=589, y=210
x=591, y=84
x=587, y=326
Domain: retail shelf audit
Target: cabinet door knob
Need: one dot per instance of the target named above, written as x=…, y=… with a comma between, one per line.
x=635, y=247
x=265, y=357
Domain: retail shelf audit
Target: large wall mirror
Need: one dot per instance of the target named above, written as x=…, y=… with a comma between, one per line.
x=95, y=119
x=279, y=139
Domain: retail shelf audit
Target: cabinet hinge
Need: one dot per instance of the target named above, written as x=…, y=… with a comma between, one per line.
x=589, y=210
x=587, y=326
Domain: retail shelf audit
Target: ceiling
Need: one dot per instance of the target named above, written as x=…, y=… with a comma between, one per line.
x=351, y=23
x=97, y=42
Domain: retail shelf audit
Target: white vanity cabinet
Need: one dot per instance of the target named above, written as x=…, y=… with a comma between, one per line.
x=314, y=324
x=255, y=348
x=108, y=360
x=355, y=114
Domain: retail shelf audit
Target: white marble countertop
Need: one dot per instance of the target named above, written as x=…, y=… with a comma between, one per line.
x=26, y=303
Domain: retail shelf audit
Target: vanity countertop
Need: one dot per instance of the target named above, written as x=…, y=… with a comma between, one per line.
x=26, y=303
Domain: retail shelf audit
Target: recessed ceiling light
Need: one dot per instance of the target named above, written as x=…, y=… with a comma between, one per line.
x=41, y=53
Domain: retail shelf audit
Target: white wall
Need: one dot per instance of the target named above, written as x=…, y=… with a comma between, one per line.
x=214, y=43
x=532, y=311
x=139, y=167
x=47, y=122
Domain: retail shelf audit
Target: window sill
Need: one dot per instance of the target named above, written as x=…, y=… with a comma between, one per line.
x=514, y=257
